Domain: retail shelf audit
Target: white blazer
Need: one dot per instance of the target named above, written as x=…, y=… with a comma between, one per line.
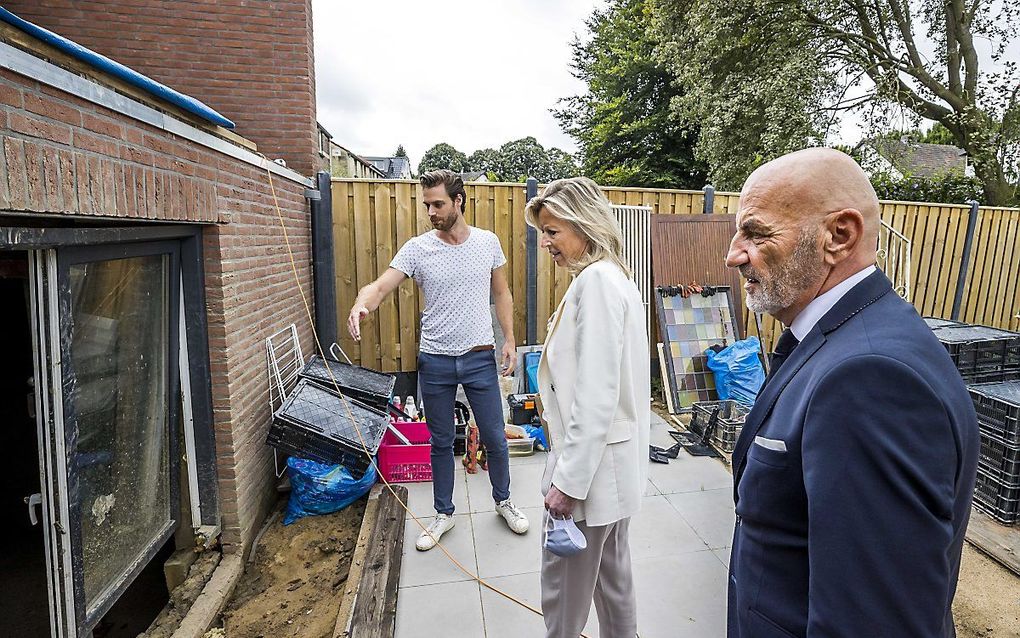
x=594, y=382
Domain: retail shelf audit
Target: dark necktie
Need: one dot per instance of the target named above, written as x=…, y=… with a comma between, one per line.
x=786, y=344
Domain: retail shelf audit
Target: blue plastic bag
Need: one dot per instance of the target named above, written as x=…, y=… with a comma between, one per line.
x=531, y=360
x=322, y=489
x=737, y=370
x=538, y=434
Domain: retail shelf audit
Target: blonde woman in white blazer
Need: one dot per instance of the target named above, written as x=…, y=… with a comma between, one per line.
x=594, y=384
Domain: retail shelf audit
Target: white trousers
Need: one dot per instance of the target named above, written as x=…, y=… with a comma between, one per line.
x=602, y=572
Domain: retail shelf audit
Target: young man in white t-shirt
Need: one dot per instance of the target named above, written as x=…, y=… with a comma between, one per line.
x=457, y=267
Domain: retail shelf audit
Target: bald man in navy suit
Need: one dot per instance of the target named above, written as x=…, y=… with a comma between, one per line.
x=854, y=472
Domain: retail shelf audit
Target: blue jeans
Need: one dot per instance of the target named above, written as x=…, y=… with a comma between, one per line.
x=438, y=376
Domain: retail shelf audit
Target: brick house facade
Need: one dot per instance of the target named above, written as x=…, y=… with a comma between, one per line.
x=69, y=161
x=251, y=61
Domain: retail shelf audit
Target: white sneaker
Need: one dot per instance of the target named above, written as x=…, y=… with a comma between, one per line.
x=439, y=526
x=515, y=518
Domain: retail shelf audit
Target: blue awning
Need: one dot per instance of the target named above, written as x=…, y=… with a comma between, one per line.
x=118, y=70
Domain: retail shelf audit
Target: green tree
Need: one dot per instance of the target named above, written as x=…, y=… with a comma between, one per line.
x=485, y=160
x=400, y=152
x=951, y=188
x=766, y=76
x=751, y=82
x=521, y=159
x=627, y=134
x=938, y=134
x=561, y=164
x=443, y=155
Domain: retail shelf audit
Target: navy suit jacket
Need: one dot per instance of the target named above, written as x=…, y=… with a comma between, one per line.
x=856, y=529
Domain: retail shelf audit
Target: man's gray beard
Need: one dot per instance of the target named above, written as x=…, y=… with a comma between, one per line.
x=789, y=279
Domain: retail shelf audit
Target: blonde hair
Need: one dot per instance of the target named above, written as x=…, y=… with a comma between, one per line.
x=579, y=202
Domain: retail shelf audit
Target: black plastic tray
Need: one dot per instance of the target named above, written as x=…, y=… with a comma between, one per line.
x=998, y=458
x=998, y=376
x=369, y=386
x=935, y=323
x=998, y=408
x=314, y=423
x=980, y=349
x=1000, y=501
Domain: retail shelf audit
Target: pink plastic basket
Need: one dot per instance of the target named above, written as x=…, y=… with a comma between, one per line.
x=401, y=463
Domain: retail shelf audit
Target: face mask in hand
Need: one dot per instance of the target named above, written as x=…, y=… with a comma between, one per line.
x=562, y=537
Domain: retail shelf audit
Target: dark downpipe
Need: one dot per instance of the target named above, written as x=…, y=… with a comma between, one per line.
x=532, y=273
x=323, y=282
x=709, y=207
x=961, y=281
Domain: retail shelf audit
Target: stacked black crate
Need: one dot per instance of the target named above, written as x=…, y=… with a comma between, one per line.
x=989, y=361
x=982, y=354
x=319, y=423
x=935, y=323
x=997, y=490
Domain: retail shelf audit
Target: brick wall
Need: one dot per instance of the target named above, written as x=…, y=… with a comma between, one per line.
x=251, y=61
x=61, y=154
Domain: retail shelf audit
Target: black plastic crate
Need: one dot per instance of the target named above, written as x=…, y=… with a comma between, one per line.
x=998, y=408
x=935, y=323
x=997, y=376
x=731, y=420
x=980, y=349
x=1000, y=501
x=998, y=457
x=371, y=387
x=314, y=423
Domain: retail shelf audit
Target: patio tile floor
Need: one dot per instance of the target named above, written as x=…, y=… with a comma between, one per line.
x=679, y=545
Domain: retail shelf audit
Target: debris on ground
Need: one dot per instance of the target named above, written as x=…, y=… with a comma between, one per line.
x=295, y=584
x=183, y=596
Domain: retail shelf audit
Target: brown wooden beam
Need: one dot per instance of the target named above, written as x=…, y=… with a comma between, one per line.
x=369, y=609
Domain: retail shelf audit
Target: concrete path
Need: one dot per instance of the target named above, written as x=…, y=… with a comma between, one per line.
x=679, y=544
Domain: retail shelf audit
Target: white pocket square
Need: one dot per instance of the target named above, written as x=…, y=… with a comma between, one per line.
x=770, y=444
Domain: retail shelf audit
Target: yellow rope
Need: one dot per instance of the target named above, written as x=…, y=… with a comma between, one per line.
x=357, y=427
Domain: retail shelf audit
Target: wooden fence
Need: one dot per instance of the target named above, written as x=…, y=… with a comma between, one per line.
x=372, y=219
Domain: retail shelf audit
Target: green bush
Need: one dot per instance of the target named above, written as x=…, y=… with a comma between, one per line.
x=944, y=189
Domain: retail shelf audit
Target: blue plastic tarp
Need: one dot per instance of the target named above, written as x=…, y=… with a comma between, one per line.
x=316, y=488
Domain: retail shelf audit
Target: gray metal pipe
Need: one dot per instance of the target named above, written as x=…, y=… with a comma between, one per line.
x=532, y=271
x=961, y=281
x=323, y=280
x=709, y=206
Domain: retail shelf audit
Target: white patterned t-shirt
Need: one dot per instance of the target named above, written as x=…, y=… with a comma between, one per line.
x=456, y=281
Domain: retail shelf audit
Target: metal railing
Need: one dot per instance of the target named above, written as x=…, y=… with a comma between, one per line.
x=893, y=258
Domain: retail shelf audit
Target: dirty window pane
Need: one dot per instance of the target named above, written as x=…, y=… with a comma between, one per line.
x=119, y=352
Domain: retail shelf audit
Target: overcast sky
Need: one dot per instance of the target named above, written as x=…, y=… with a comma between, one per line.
x=473, y=74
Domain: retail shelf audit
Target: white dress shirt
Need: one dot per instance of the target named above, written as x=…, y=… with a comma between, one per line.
x=821, y=304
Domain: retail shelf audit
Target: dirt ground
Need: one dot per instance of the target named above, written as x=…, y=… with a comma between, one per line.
x=987, y=603
x=295, y=583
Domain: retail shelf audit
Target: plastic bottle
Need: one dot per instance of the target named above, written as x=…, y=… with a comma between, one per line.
x=396, y=402
x=410, y=409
